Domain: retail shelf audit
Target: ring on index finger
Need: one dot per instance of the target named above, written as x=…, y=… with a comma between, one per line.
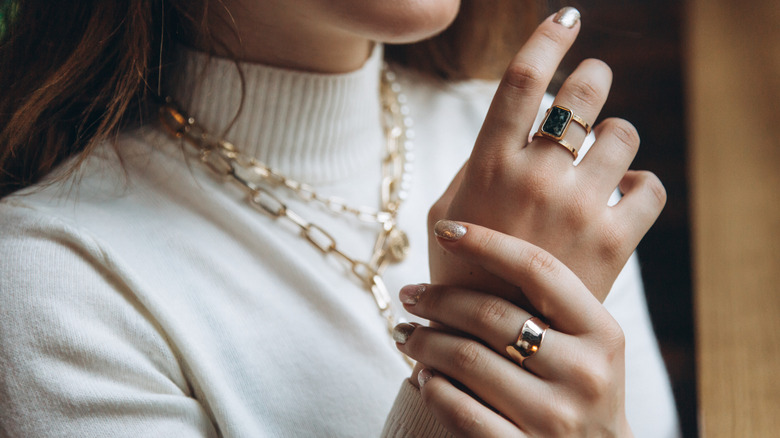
x=529, y=341
x=556, y=123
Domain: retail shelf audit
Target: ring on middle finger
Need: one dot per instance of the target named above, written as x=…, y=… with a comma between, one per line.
x=556, y=123
x=529, y=341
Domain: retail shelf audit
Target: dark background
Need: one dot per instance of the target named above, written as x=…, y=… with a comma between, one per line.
x=641, y=42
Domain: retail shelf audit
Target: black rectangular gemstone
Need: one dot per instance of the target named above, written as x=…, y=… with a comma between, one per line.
x=556, y=121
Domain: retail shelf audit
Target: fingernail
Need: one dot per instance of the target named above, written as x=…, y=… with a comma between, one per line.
x=567, y=17
x=402, y=331
x=424, y=376
x=449, y=230
x=411, y=294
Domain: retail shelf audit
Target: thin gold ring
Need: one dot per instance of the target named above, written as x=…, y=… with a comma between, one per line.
x=580, y=121
x=556, y=123
x=560, y=141
x=529, y=341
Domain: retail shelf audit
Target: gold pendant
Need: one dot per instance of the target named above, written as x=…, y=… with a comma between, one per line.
x=397, y=245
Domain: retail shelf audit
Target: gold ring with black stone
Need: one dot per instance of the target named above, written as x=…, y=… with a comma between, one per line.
x=556, y=123
x=529, y=341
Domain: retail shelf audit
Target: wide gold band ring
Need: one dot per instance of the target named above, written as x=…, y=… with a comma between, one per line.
x=556, y=123
x=529, y=341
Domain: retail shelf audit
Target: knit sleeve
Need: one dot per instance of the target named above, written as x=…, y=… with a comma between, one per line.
x=650, y=404
x=79, y=356
x=409, y=417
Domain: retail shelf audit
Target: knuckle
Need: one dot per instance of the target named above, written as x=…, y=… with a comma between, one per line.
x=625, y=133
x=485, y=242
x=466, y=355
x=541, y=263
x=524, y=76
x=655, y=187
x=614, y=338
x=491, y=311
x=594, y=380
x=568, y=421
x=584, y=92
x=613, y=242
x=552, y=35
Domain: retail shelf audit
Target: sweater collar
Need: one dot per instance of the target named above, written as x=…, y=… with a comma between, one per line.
x=312, y=127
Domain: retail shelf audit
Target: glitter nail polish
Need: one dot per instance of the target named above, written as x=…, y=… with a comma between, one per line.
x=449, y=230
x=402, y=331
x=567, y=17
x=424, y=376
x=411, y=294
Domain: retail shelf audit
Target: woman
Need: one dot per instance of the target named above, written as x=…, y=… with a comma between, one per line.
x=143, y=296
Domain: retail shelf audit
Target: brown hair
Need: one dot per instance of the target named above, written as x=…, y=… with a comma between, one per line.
x=74, y=73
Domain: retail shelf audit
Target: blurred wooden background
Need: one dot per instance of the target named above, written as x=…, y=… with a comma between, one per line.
x=733, y=52
x=642, y=42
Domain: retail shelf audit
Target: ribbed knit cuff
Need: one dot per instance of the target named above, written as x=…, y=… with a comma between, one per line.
x=409, y=417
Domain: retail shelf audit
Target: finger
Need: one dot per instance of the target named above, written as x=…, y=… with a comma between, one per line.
x=552, y=288
x=643, y=199
x=495, y=321
x=607, y=161
x=460, y=413
x=516, y=103
x=583, y=94
x=488, y=375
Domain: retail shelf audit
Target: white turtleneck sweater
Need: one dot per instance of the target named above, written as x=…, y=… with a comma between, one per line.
x=146, y=298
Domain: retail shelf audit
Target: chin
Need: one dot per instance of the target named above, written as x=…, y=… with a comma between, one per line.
x=397, y=21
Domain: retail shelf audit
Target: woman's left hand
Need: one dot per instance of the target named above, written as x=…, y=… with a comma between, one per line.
x=572, y=386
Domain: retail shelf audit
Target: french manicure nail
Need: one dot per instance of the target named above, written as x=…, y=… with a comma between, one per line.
x=402, y=331
x=449, y=230
x=567, y=17
x=411, y=294
x=424, y=376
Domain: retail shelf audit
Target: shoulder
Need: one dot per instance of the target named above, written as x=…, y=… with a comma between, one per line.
x=29, y=233
x=58, y=271
x=74, y=334
x=128, y=182
x=48, y=264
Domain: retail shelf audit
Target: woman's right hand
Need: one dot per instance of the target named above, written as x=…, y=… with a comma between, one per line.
x=570, y=383
x=531, y=190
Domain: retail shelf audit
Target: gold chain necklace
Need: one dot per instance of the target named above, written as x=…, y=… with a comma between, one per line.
x=257, y=180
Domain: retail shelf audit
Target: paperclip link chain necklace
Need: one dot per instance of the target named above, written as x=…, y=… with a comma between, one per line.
x=258, y=180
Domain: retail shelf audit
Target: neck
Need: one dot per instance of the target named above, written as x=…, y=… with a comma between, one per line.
x=274, y=34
